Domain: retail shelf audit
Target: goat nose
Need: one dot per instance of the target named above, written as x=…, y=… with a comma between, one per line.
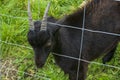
x=39, y=65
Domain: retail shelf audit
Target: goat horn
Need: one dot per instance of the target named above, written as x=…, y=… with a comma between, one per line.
x=44, y=21
x=30, y=17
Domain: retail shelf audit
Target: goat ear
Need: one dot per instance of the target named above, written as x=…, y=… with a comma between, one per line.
x=51, y=19
x=53, y=29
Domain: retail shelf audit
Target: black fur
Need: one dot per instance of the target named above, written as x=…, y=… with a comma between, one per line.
x=103, y=15
x=109, y=56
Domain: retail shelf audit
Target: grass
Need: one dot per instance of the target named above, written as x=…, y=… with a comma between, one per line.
x=18, y=61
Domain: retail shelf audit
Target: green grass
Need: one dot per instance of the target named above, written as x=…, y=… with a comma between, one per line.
x=18, y=61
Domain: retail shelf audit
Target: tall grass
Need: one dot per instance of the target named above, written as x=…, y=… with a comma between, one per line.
x=18, y=61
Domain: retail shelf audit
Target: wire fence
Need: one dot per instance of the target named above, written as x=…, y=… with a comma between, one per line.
x=74, y=58
x=67, y=26
x=41, y=77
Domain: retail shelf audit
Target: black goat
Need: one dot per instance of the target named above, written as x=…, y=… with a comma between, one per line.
x=101, y=15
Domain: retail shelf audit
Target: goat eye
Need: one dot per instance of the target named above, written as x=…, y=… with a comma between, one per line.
x=48, y=44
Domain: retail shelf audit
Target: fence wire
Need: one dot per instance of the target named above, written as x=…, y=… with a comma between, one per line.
x=67, y=26
x=74, y=58
x=81, y=42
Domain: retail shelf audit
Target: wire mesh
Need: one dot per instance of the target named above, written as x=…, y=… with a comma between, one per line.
x=79, y=59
